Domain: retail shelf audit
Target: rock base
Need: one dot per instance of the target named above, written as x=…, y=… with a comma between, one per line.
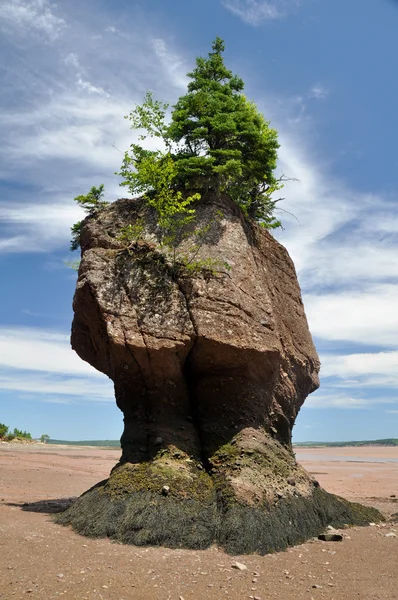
x=248, y=500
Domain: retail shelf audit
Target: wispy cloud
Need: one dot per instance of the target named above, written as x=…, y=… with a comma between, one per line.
x=343, y=401
x=40, y=350
x=366, y=314
x=41, y=226
x=371, y=369
x=319, y=92
x=92, y=89
x=344, y=244
x=171, y=63
x=67, y=126
x=25, y=16
x=72, y=60
x=255, y=12
x=42, y=363
x=57, y=389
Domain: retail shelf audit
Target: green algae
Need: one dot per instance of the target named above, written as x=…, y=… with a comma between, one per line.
x=183, y=480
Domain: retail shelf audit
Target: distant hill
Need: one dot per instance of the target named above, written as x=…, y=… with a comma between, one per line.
x=103, y=443
x=386, y=442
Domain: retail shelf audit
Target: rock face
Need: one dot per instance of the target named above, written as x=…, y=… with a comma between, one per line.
x=210, y=371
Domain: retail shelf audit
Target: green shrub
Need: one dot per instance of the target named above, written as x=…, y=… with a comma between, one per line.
x=3, y=430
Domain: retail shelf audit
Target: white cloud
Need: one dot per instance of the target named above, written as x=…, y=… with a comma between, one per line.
x=42, y=226
x=172, y=64
x=364, y=315
x=320, y=205
x=72, y=59
x=361, y=364
x=319, y=92
x=92, y=89
x=344, y=247
x=254, y=12
x=40, y=350
x=51, y=388
x=42, y=363
x=68, y=127
x=28, y=15
x=343, y=401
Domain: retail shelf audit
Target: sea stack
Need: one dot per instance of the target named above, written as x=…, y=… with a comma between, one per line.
x=210, y=369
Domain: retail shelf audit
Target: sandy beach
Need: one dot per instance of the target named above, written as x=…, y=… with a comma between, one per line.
x=39, y=559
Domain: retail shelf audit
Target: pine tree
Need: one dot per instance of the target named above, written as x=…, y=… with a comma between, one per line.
x=224, y=143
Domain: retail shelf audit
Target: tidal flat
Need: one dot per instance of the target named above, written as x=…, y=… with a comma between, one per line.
x=40, y=559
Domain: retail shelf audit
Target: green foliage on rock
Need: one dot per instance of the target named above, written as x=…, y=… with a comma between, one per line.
x=92, y=203
x=3, y=430
x=153, y=173
x=217, y=141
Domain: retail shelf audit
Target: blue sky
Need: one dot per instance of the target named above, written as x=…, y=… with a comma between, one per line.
x=322, y=72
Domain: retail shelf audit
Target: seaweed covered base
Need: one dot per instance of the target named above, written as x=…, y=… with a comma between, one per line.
x=241, y=502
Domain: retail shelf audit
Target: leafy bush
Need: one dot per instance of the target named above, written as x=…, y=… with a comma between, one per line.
x=18, y=433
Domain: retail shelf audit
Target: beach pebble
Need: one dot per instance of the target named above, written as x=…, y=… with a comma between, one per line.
x=330, y=537
x=390, y=535
x=239, y=566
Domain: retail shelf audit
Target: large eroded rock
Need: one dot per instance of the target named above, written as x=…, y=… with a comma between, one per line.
x=210, y=372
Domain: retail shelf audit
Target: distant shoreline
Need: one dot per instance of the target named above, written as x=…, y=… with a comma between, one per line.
x=116, y=444
x=390, y=442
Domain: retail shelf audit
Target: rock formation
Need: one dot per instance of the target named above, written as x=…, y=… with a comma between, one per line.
x=210, y=371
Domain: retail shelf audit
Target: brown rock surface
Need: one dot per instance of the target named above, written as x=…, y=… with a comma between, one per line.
x=210, y=373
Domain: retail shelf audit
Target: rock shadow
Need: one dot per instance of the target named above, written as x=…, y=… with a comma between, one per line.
x=51, y=506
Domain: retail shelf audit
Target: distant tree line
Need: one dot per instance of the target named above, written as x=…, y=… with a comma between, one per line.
x=7, y=436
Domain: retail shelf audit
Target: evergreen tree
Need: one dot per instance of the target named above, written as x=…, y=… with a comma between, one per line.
x=224, y=143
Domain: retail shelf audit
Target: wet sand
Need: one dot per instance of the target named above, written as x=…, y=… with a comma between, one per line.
x=366, y=474
x=42, y=560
